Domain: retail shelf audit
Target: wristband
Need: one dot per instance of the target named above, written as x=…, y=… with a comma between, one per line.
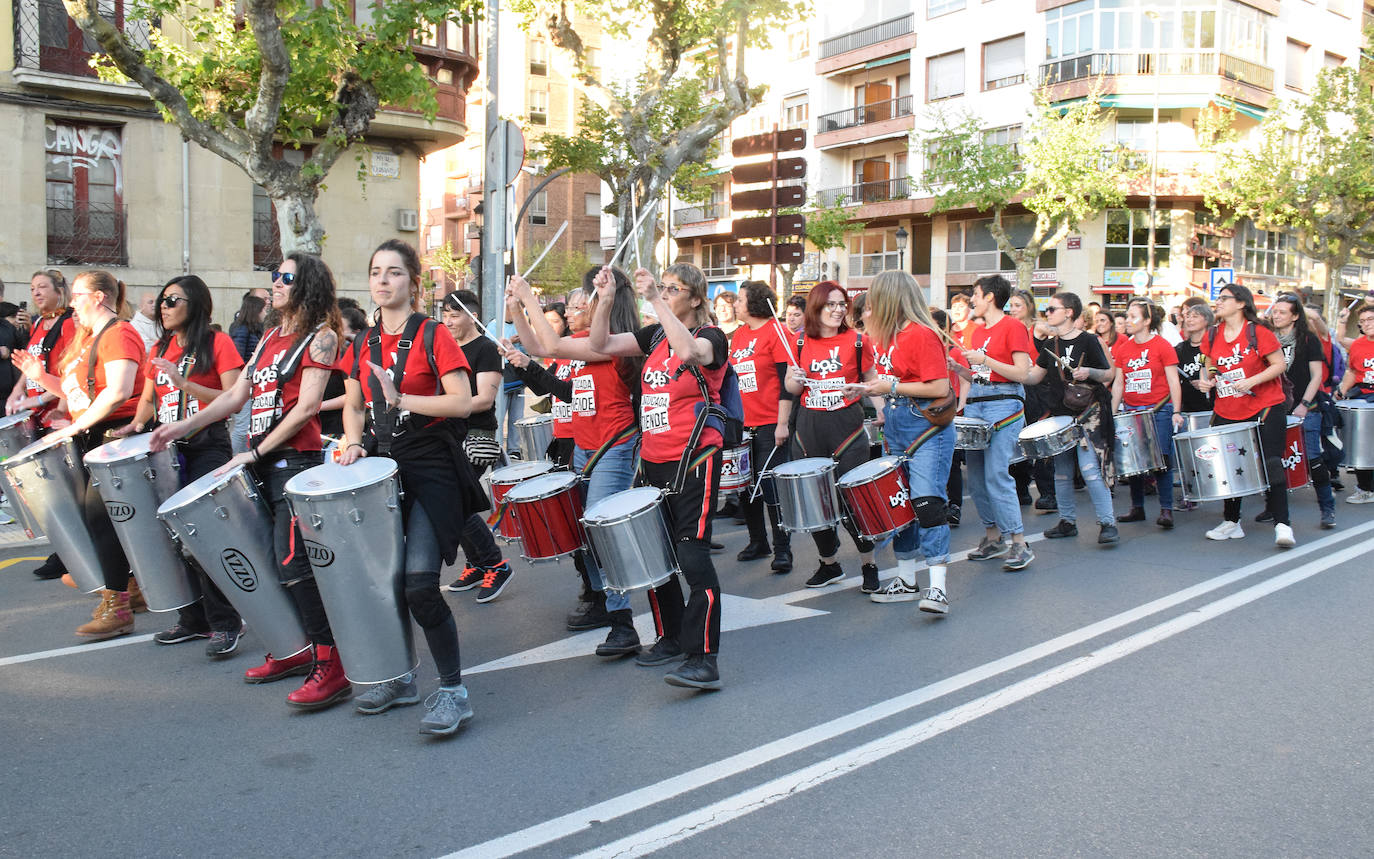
x=257, y=455
x=357, y=444
x=894, y=387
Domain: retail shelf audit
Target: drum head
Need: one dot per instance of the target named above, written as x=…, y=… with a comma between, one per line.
x=534, y=420
x=543, y=486
x=32, y=450
x=1355, y=404
x=332, y=478
x=121, y=449
x=198, y=488
x=869, y=471
x=1049, y=426
x=623, y=504
x=805, y=467
x=1294, y=421
x=16, y=418
x=521, y=471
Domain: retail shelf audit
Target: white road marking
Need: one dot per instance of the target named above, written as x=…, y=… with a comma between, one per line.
x=635, y=800
x=74, y=649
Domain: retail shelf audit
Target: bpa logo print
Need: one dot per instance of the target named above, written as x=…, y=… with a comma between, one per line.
x=826, y=366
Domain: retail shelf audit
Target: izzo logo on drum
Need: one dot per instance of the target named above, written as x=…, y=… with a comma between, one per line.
x=826, y=366
x=902, y=497
x=119, y=511
x=320, y=555
x=239, y=569
x=1292, y=462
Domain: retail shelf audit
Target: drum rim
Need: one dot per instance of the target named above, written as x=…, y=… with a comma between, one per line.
x=220, y=483
x=385, y=462
x=33, y=449
x=829, y=466
x=16, y=419
x=571, y=478
x=587, y=516
x=146, y=452
x=895, y=464
x=493, y=478
x=533, y=420
x=1052, y=420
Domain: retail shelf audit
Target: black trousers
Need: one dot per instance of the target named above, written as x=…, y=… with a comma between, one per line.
x=1273, y=428
x=695, y=626
x=201, y=455
x=114, y=565
x=293, y=566
x=821, y=434
x=760, y=449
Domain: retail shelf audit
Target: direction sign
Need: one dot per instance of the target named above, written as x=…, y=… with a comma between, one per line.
x=762, y=228
x=1220, y=277
x=789, y=140
x=786, y=168
x=762, y=199
x=763, y=254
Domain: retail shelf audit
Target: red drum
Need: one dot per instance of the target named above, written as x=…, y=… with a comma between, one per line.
x=1295, y=455
x=503, y=480
x=548, y=515
x=877, y=497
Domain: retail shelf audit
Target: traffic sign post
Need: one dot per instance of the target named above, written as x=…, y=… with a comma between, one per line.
x=768, y=200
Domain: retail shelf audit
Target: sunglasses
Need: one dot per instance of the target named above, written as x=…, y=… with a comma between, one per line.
x=170, y=301
x=286, y=277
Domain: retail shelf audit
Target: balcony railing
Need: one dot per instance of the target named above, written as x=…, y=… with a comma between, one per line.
x=866, y=192
x=1170, y=63
x=864, y=114
x=697, y=214
x=872, y=35
x=82, y=233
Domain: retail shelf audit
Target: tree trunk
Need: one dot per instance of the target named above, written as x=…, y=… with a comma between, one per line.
x=1332, y=306
x=786, y=274
x=1025, y=268
x=297, y=222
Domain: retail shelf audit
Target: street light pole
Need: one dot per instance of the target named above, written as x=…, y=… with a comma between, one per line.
x=901, y=237
x=1153, y=14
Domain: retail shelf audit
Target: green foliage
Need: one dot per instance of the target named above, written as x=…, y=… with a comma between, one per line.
x=558, y=273
x=826, y=226
x=456, y=266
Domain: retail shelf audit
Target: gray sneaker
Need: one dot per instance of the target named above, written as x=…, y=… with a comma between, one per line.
x=223, y=644
x=934, y=601
x=989, y=549
x=384, y=696
x=446, y=711
x=1018, y=558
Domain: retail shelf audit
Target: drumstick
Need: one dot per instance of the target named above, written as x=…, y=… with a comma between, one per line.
x=634, y=216
x=758, y=484
x=634, y=231
x=478, y=323
x=548, y=247
x=781, y=336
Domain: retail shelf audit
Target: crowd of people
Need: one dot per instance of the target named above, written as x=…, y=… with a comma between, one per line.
x=650, y=382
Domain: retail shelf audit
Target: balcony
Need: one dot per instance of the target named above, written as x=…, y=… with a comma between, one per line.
x=864, y=114
x=883, y=39
x=51, y=52
x=867, y=192
x=1202, y=63
x=84, y=233
x=699, y=214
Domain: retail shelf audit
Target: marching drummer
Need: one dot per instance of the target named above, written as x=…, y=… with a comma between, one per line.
x=1244, y=361
x=1147, y=380
x=917, y=378
x=1358, y=383
x=1302, y=351
x=412, y=394
x=99, y=370
x=1197, y=322
x=188, y=367
x=285, y=380
x=833, y=365
x=555, y=380
x=687, y=356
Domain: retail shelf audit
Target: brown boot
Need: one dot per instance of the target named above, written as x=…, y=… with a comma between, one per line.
x=136, y=601
x=115, y=618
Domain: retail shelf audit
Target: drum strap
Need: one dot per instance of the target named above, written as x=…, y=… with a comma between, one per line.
x=93, y=356
x=614, y=441
x=930, y=432
x=54, y=333
x=1009, y=420
x=848, y=442
x=284, y=373
x=182, y=367
x=385, y=423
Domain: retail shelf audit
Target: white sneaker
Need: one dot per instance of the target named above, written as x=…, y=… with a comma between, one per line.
x=933, y=601
x=1360, y=496
x=1226, y=531
x=896, y=590
x=1283, y=536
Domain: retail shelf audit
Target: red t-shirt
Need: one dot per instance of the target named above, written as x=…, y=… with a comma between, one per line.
x=35, y=348
x=831, y=363
x=668, y=404
x=561, y=370
x=1235, y=360
x=1000, y=342
x=1142, y=368
x=601, y=405
x=120, y=343
x=167, y=399
x=270, y=400
x=1361, y=362
x=755, y=354
x=956, y=382
x=419, y=379
x=916, y=355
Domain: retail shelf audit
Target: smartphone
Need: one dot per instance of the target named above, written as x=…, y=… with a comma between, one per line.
x=23, y=305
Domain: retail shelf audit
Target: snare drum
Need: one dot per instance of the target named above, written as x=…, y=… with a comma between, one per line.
x=971, y=433
x=736, y=466
x=1221, y=462
x=806, y=494
x=536, y=434
x=629, y=538
x=1193, y=421
x=1295, y=455
x=1357, y=432
x=876, y=496
x=503, y=480
x=49, y=480
x=548, y=516
x=1050, y=437
x=1137, y=444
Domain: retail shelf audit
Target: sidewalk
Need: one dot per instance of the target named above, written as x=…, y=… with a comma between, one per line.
x=12, y=536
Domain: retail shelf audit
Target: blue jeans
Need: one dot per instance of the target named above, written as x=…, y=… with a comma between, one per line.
x=614, y=472
x=989, y=481
x=1321, y=476
x=1086, y=455
x=927, y=472
x=1164, y=480
x=510, y=407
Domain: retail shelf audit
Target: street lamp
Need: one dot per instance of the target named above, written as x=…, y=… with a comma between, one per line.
x=901, y=236
x=1153, y=15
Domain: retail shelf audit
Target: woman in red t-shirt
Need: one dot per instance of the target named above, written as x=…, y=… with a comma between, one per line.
x=48, y=339
x=98, y=372
x=1245, y=361
x=833, y=368
x=1358, y=383
x=285, y=380
x=1147, y=378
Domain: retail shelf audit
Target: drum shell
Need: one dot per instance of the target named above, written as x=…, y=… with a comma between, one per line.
x=1196, y=421
x=1295, y=468
x=880, y=504
x=1208, y=461
x=1357, y=433
x=355, y=541
x=50, y=484
x=1050, y=437
x=807, y=500
x=633, y=550
x=736, y=467
x=549, y=522
x=1137, y=449
x=133, y=488
x=502, y=481
x=873, y=431
x=17, y=432
x=971, y=433
x=536, y=434
x=224, y=523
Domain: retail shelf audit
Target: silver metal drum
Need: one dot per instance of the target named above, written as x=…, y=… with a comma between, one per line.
x=873, y=431
x=133, y=481
x=1050, y=437
x=1137, y=444
x=971, y=433
x=536, y=434
x=630, y=540
x=350, y=517
x=1221, y=462
x=807, y=500
x=1357, y=432
x=736, y=466
x=49, y=481
x=17, y=431
x=223, y=522
x=1196, y=421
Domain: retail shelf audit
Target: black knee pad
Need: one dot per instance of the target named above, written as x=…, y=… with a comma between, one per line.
x=1318, y=471
x=930, y=511
x=422, y=596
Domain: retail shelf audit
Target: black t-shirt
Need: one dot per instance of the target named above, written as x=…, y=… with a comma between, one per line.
x=1189, y=370
x=720, y=343
x=10, y=339
x=1299, y=373
x=1085, y=350
x=483, y=357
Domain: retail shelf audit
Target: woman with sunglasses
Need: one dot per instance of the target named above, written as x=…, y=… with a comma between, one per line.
x=1302, y=351
x=189, y=366
x=99, y=371
x=1244, y=361
x=605, y=433
x=1147, y=380
x=285, y=381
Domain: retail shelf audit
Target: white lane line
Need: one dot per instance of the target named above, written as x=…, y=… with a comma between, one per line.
x=708, y=817
x=74, y=649
x=635, y=800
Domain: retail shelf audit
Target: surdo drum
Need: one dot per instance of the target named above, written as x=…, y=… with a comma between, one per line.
x=222, y=521
x=536, y=434
x=806, y=494
x=971, y=433
x=502, y=481
x=736, y=467
x=1357, y=432
x=1137, y=444
x=133, y=481
x=350, y=518
x=49, y=481
x=877, y=498
x=1221, y=462
x=548, y=515
x=629, y=538
x=1050, y=437
x=17, y=431
x=1294, y=456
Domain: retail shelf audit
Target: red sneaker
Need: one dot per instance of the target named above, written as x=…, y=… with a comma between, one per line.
x=276, y=669
x=326, y=683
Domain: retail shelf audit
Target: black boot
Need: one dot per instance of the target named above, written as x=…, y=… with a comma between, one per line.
x=754, y=551
x=782, y=546
x=590, y=615
x=52, y=568
x=622, y=640
x=696, y=672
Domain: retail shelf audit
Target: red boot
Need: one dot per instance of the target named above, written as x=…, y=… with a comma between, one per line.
x=276, y=669
x=326, y=684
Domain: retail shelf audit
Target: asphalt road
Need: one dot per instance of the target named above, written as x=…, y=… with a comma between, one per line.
x=1169, y=696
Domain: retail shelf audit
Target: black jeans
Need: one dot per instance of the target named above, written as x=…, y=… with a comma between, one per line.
x=695, y=627
x=760, y=449
x=114, y=565
x=213, y=613
x=1273, y=428
x=479, y=546
x=821, y=434
x=426, y=605
x=293, y=566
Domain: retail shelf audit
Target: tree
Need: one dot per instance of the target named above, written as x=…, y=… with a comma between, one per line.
x=1308, y=168
x=826, y=227
x=1061, y=171
x=559, y=273
x=249, y=82
x=638, y=138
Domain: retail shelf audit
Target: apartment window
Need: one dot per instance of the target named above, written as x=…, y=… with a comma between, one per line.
x=936, y=8
x=1128, y=238
x=1004, y=62
x=591, y=204
x=539, y=57
x=539, y=107
x=1333, y=61
x=872, y=253
x=1295, y=65
x=796, y=110
x=1006, y=135
x=715, y=260
x=84, y=170
x=1138, y=133
x=434, y=236
x=971, y=248
x=539, y=209
x=945, y=76
x=1269, y=252
x=798, y=43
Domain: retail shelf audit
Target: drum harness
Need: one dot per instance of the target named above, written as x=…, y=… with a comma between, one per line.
x=386, y=428
x=284, y=374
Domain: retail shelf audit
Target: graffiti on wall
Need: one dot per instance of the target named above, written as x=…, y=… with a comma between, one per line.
x=85, y=147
